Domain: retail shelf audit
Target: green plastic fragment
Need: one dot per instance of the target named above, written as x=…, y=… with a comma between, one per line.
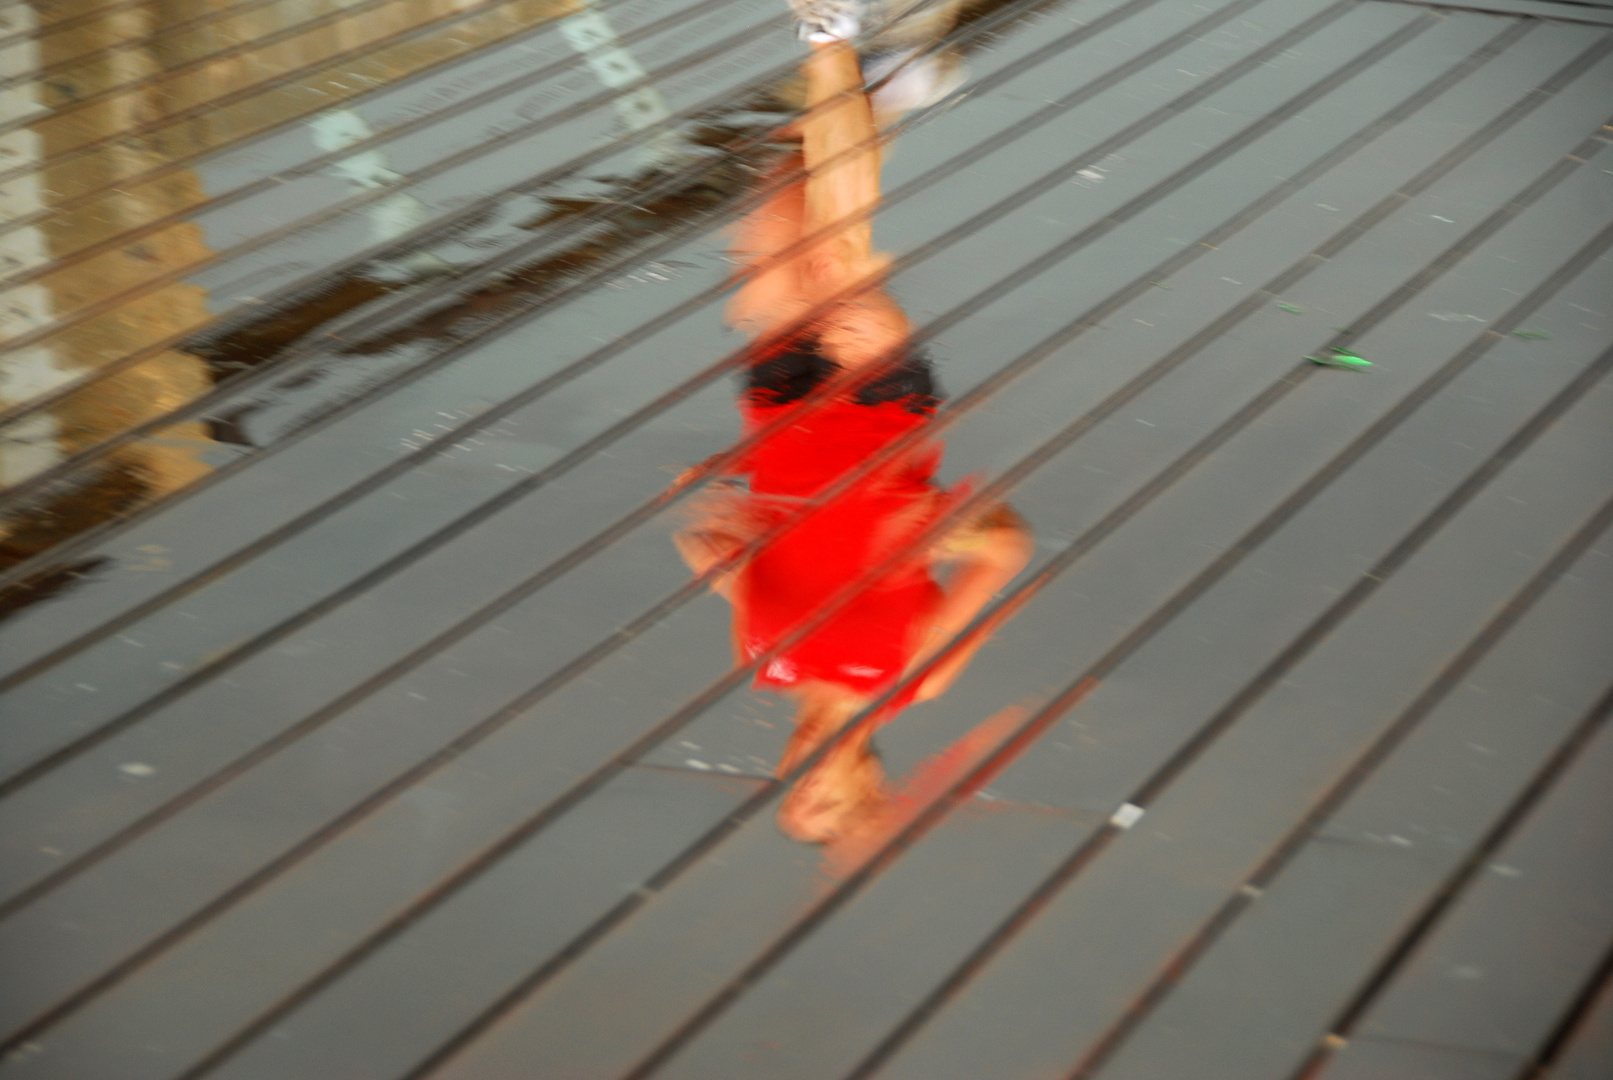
x=1532, y=335
x=1337, y=357
x=1161, y=284
x=1291, y=309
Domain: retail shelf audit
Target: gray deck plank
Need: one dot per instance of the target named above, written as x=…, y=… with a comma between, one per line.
x=1509, y=959
x=1194, y=847
x=905, y=938
x=1273, y=983
x=1579, y=11
x=556, y=886
x=1371, y=1059
x=830, y=1002
x=1588, y=1054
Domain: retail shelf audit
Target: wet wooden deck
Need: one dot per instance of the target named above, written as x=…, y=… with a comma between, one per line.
x=389, y=739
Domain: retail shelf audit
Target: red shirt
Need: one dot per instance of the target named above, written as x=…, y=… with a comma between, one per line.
x=869, y=641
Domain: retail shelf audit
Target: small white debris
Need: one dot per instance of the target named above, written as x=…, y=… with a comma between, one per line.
x=1324, y=206
x=54, y=853
x=1090, y=174
x=687, y=745
x=1254, y=892
x=1504, y=870
x=1331, y=1041
x=137, y=768
x=417, y=697
x=1446, y=220
x=1127, y=816
x=694, y=764
x=727, y=768
x=1399, y=841
x=87, y=688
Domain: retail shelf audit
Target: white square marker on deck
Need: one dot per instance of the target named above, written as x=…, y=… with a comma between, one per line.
x=1127, y=816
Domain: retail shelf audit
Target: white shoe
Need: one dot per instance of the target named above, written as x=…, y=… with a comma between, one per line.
x=916, y=84
x=823, y=21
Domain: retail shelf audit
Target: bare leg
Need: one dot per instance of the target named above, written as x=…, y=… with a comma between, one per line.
x=840, y=145
x=776, y=296
x=847, y=784
x=841, y=150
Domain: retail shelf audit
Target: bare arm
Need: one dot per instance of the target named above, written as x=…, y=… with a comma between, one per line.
x=989, y=553
x=702, y=546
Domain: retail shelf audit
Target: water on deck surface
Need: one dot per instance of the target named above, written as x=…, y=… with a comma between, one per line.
x=359, y=718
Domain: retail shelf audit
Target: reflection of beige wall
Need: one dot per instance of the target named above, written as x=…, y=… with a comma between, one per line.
x=318, y=88
x=139, y=50
x=189, y=96
x=29, y=446
x=172, y=377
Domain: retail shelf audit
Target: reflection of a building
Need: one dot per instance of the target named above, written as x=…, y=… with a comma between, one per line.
x=171, y=377
x=114, y=97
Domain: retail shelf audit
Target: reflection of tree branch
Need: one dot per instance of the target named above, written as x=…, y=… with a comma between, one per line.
x=49, y=582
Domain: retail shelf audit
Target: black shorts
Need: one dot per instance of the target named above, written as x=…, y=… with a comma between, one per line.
x=792, y=370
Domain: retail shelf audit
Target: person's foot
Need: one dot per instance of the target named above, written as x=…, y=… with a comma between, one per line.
x=911, y=83
x=844, y=790
x=823, y=21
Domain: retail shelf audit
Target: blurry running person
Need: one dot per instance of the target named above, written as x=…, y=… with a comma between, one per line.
x=902, y=618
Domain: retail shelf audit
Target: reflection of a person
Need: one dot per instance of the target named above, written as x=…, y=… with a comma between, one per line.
x=904, y=617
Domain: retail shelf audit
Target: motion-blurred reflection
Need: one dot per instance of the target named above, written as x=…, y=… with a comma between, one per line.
x=819, y=314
